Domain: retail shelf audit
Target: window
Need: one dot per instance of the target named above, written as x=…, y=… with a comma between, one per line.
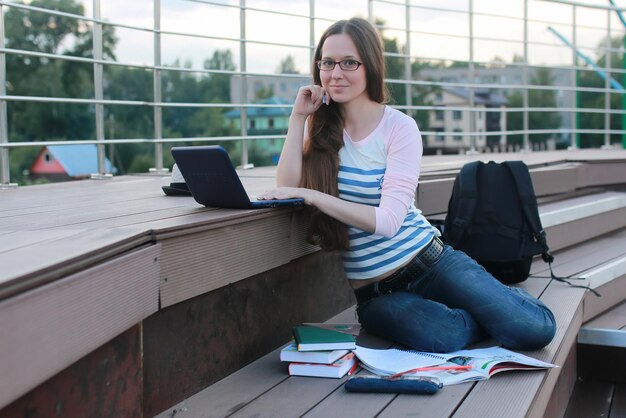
x=457, y=115
x=438, y=114
x=270, y=123
x=48, y=158
x=439, y=136
x=252, y=123
x=439, y=96
x=457, y=137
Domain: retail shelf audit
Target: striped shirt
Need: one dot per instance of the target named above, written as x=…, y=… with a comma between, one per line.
x=384, y=166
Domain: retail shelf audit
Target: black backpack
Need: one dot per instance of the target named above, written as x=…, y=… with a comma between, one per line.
x=493, y=217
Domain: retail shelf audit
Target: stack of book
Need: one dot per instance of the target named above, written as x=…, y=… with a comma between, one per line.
x=319, y=352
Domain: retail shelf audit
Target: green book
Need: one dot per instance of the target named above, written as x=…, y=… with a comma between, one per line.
x=316, y=339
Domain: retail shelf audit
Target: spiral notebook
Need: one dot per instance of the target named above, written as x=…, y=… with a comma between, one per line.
x=394, y=360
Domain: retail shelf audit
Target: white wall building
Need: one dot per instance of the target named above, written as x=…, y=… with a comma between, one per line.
x=451, y=124
x=509, y=76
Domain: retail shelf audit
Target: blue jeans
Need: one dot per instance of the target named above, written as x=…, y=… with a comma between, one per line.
x=455, y=303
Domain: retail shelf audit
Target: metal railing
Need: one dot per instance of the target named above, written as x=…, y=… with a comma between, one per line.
x=409, y=54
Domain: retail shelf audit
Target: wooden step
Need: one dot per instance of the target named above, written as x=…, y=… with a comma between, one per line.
x=608, y=329
x=572, y=221
x=264, y=389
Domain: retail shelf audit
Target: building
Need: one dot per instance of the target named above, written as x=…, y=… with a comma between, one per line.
x=67, y=162
x=499, y=74
x=450, y=125
x=282, y=87
x=264, y=121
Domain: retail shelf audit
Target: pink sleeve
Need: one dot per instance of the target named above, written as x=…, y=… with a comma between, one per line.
x=404, y=155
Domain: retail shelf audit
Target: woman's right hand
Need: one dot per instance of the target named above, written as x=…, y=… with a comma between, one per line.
x=309, y=99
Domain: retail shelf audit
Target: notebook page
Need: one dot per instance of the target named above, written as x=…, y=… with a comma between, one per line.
x=500, y=354
x=394, y=360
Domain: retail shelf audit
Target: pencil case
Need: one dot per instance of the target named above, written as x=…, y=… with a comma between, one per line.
x=386, y=385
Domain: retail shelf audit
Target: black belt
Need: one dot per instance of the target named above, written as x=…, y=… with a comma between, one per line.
x=401, y=278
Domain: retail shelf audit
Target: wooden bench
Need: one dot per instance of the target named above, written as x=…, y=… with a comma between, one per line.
x=264, y=389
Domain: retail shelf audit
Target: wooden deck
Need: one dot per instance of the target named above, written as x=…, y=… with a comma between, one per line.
x=84, y=263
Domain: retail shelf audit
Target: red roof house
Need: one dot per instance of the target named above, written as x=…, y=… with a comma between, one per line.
x=65, y=162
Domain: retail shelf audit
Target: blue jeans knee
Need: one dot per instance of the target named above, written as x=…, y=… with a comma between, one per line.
x=419, y=323
x=530, y=333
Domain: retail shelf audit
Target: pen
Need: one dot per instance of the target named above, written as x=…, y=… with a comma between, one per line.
x=353, y=369
x=433, y=368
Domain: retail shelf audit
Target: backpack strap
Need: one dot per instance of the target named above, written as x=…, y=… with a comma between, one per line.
x=524, y=184
x=564, y=280
x=468, y=194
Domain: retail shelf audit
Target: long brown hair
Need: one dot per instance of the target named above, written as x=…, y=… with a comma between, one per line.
x=320, y=162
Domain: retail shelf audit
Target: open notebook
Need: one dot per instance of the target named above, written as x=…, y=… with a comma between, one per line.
x=213, y=181
x=394, y=360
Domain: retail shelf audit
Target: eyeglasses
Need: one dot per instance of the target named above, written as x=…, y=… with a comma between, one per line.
x=346, y=65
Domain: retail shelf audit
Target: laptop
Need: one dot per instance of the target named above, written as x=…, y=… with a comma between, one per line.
x=213, y=181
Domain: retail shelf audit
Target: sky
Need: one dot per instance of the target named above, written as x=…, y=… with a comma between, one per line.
x=442, y=33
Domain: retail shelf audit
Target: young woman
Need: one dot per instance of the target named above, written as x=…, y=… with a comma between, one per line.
x=356, y=162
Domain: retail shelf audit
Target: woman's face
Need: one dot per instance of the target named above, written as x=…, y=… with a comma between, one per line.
x=342, y=86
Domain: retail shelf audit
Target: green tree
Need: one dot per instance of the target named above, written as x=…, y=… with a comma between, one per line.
x=178, y=122
x=28, y=30
x=288, y=66
x=536, y=98
x=595, y=100
x=218, y=85
x=126, y=121
x=458, y=64
x=209, y=88
x=394, y=69
x=263, y=93
x=39, y=32
x=422, y=96
x=36, y=31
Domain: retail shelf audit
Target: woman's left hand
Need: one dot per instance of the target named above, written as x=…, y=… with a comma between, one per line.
x=288, y=193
